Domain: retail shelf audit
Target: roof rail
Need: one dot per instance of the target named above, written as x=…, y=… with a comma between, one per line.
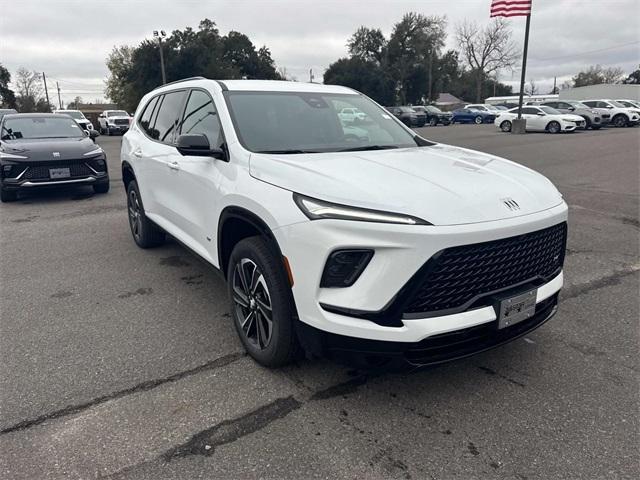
x=181, y=80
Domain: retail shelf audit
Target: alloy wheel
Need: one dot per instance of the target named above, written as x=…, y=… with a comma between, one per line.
x=252, y=301
x=135, y=214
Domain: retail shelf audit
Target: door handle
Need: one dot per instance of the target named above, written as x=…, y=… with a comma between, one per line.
x=173, y=165
x=137, y=153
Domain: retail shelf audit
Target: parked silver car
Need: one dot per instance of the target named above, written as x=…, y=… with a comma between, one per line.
x=595, y=118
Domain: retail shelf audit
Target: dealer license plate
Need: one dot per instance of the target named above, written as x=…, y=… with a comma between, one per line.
x=516, y=309
x=55, y=173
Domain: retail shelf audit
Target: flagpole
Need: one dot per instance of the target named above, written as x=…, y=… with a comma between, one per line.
x=524, y=65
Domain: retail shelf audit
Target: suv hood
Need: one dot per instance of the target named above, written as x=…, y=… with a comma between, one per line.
x=441, y=184
x=41, y=149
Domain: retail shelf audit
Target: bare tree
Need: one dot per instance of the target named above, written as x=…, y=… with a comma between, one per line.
x=29, y=89
x=28, y=84
x=486, y=50
x=532, y=89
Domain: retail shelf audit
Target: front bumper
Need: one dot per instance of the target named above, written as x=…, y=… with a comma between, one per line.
x=400, y=251
x=439, y=348
x=29, y=175
x=118, y=128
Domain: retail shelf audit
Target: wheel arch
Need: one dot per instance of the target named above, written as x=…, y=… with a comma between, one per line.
x=128, y=173
x=236, y=223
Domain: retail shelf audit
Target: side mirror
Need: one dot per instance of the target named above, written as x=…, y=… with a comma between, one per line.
x=93, y=134
x=198, y=145
x=101, y=115
x=571, y=109
x=542, y=114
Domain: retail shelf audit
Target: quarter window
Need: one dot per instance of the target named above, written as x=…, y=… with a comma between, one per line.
x=164, y=127
x=200, y=116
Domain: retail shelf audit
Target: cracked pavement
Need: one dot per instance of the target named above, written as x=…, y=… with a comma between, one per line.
x=121, y=363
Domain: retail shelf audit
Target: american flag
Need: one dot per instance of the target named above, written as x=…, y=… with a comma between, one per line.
x=510, y=8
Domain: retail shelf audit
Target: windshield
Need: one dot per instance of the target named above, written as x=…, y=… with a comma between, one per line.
x=76, y=115
x=549, y=110
x=292, y=122
x=117, y=113
x=625, y=103
x=577, y=104
x=40, y=127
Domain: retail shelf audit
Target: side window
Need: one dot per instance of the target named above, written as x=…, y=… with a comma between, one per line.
x=145, y=118
x=200, y=116
x=164, y=128
x=555, y=104
x=529, y=110
x=601, y=105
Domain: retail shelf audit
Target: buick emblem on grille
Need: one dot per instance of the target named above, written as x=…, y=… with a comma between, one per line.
x=56, y=154
x=511, y=204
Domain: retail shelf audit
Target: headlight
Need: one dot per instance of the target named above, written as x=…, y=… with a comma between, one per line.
x=95, y=151
x=9, y=156
x=594, y=112
x=316, y=209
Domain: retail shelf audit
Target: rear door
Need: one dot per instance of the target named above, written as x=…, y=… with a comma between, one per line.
x=160, y=157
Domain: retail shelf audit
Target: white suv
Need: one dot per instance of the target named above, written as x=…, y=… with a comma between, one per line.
x=621, y=115
x=385, y=243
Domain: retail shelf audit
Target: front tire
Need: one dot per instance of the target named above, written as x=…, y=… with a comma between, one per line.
x=433, y=122
x=505, y=126
x=261, y=302
x=477, y=120
x=8, y=195
x=101, y=187
x=145, y=233
x=620, y=120
x=554, y=127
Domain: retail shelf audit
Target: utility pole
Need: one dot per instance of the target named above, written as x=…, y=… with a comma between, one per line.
x=430, y=74
x=554, y=86
x=159, y=35
x=59, y=101
x=46, y=92
x=311, y=77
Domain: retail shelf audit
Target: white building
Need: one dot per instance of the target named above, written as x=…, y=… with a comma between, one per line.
x=612, y=91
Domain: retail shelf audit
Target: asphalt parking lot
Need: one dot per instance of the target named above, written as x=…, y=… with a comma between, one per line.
x=123, y=363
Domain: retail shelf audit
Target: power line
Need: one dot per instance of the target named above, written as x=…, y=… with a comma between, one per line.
x=587, y=53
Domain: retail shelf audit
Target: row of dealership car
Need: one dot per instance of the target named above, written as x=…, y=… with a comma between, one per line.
x=551, y=116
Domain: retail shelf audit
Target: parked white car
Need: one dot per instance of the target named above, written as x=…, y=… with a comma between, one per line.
x=540, y=119
x=351, y=115
x=384, y=242
x=621, y=116
x=78, y=116
x=114, y=121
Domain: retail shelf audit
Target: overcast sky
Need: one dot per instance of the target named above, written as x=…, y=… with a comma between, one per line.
x=69, y=40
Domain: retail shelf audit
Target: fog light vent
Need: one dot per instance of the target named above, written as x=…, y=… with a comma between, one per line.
x=344, y=267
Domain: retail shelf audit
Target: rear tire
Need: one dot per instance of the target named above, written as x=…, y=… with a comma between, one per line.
x=477, y=120
x=505, y=126
x=433, y=122
x=8, y=195
x=258, y=289
x=145, y=233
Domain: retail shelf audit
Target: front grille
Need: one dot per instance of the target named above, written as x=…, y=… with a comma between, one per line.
x=461, y=343
x=461, y=277
x=41, y=172
x=121, y=121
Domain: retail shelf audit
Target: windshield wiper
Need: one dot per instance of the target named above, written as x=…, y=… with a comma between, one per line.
x=287, y=152
x=368, y=147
